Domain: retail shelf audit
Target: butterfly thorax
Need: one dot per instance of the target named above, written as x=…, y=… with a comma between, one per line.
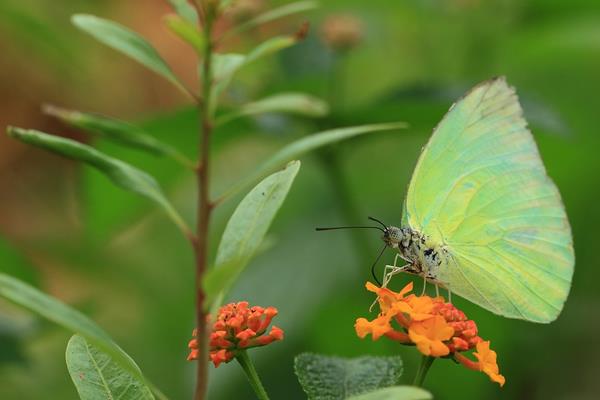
x=424, y=257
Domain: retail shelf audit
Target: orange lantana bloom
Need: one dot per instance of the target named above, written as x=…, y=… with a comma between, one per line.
x=430, y=334
x=437, y=328
x=238, y=327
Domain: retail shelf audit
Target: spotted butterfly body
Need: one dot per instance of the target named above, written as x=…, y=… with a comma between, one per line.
x=482, y=217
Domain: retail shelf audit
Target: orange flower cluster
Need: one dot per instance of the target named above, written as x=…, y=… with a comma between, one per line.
x=238, y=327
x=437, y=328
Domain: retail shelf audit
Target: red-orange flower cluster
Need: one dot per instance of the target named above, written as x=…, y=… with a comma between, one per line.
x=437, y=328
x=238, y=327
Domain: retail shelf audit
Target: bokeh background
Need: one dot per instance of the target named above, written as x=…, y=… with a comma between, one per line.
x=67, y=230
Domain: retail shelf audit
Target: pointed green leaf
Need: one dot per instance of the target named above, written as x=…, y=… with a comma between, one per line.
x=97, y=376
x=395, y=393
x=186, y=31
x=246, y=230
x=117, y=131
x=270, y=46
x=276, y=13
x=127, y=42
x=329, y=377
x=293, y=103
x=186, y=10
x=225, y=65
x=52, y=309
x=120, y=173
x=302, y=146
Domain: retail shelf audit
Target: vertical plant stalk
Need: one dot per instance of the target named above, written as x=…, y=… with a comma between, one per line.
x=248, y=367
x=205, y=205
x=426, y=362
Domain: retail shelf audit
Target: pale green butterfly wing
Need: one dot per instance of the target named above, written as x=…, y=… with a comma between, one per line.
x=480, y=188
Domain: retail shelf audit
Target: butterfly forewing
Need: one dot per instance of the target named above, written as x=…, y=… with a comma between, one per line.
x=480, y=188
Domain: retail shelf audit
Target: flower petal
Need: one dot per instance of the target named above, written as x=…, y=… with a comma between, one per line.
x=487, y=362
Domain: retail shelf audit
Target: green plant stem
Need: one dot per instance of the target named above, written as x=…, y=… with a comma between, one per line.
x=426, y=362
x=205, y=205
x=248, y=367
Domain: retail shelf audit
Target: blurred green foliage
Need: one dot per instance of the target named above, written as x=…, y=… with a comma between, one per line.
x=128, y=268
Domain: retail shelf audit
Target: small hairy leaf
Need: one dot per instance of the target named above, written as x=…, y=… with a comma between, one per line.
x=246, y=230
x=127, y=42
x=302, y=146
x=52, y=309
x=116, y=131
x=185, y=30
x=120, y=173
x=332, y=378
x=294, y=103
x=395, y=393
x=98, y=377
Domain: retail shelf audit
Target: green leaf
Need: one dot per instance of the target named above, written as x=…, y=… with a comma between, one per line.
x=395, y=393
x=120, y=173
x=224, y=66
x=117, y=131
x=302, y=146
x=127, y=42
x=50, y=308
x=270, y=46
x=97, y=376
x=329, y=377
x=186, y=10
x=185, y=30
x=294, y=103
x=275, y=13
x=246, y=230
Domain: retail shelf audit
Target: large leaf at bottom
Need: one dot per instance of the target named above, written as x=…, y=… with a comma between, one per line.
x=328, y=377
x=98, y=377
x=395, y=393
x=69, y=318
x=246, y=230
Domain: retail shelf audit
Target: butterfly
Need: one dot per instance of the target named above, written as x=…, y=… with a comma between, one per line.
x=481, y=216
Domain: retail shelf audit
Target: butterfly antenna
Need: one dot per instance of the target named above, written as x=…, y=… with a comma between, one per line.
x=375, y=263
x=378, y=221
x=349, y=227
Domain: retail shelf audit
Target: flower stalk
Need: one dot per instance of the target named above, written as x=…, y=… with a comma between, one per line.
x=424, y=366
x=246, y=363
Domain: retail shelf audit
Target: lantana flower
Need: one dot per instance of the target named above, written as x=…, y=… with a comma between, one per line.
x=238, y=327
x=435, y=327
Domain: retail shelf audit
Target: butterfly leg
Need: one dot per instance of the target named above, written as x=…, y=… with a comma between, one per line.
x=389, y=268
x=439, y=284
x=424, y=284
x=393, y=270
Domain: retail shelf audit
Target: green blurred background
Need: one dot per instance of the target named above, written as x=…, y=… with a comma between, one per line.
x=67, y=230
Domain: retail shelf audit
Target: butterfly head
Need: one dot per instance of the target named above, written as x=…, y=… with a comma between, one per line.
x=392, y=236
